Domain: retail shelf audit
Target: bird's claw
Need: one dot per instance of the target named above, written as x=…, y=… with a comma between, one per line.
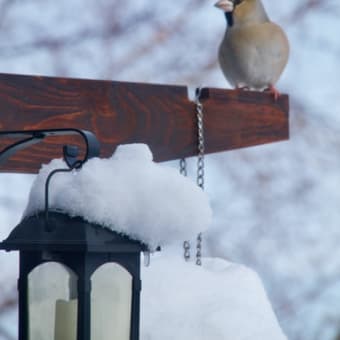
x=272, y=90
x=242, y=88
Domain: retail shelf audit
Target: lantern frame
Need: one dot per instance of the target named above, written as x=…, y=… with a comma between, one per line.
x=81, y=246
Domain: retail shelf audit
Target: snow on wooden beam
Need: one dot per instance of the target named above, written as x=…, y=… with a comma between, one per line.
x=120, y=112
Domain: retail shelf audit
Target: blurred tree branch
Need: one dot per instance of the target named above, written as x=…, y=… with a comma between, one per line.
x=8, y=302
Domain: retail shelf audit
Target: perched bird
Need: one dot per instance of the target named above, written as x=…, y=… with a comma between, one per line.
x=254, y=50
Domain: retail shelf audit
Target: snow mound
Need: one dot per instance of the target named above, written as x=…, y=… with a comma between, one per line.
x=128, y=193
x=219, y=300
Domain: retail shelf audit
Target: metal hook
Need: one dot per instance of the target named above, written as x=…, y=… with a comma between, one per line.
x=70, y=152
x=48, y=228
x=198, y=95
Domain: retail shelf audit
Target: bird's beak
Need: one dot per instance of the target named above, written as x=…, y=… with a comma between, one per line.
x=225, y=5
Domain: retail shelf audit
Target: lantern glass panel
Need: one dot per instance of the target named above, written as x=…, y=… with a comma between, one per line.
x=111, y=303
x=52, y=303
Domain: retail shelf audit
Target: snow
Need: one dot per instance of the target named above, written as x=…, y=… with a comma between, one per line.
x=131, y=194
x=128, y=193
x=269, y=202
x=219, y=300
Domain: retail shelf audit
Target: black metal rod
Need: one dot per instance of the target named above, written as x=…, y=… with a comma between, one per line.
x=10, y=150
x=49, y=228
x=70, y=152
x=35, y=136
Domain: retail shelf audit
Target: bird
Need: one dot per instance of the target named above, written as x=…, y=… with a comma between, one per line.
x=254, y=50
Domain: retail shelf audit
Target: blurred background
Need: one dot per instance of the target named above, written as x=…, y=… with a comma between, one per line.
x=276, y=207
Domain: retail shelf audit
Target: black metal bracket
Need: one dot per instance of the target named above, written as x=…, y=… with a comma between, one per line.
x=70, y=152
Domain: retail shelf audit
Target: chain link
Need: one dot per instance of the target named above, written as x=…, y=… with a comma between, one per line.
x=186, y=246
x=200, y=164
x=199, y=249
x=183, y=167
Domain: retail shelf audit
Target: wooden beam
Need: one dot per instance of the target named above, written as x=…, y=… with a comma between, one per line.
x=120, y=112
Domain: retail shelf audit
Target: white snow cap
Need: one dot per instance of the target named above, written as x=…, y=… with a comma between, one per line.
x=128, y=193
x=219, y=300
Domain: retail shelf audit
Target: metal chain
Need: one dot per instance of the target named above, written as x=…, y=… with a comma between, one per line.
x=200, y=130
x=200, y=164
x=199, y=249
x=183, y=171
x=200, y=173
x=186, y=246
x=183, y=167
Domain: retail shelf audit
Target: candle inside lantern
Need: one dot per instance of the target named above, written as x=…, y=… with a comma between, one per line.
x=110, y=307
x=50, y=287
x=66, y=320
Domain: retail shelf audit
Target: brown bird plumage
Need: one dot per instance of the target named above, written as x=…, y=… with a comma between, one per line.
x=254, y=50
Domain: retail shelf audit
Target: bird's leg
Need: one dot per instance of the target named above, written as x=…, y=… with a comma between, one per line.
x=272, y=90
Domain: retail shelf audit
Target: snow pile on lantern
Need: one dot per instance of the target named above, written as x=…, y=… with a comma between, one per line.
x=128, y=193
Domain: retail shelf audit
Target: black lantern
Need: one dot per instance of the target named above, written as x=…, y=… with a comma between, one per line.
x=78, y=280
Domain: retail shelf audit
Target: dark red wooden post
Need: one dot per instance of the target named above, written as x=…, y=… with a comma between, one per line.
x=119, y=112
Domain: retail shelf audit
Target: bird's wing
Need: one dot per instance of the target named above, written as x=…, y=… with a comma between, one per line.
x=260, y=51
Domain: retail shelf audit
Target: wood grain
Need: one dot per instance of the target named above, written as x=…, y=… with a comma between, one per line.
x=120, y=112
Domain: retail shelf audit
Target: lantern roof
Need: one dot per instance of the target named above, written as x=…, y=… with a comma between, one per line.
x=128, y=193
x=67, y=234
